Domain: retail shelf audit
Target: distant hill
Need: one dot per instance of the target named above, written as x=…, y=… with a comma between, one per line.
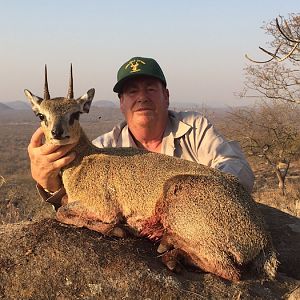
x=185, y=105
x=104, y=103
x=4, y=107
x=22, y=105
x=19, y=105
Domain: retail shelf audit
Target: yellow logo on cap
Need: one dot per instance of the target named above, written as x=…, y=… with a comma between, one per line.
x=133, y=64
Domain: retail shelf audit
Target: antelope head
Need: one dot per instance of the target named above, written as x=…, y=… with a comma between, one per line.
x=60, y=116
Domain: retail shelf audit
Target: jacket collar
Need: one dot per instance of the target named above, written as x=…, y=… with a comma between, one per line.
x=175, y=129
x=176, y=126
x=125, y=139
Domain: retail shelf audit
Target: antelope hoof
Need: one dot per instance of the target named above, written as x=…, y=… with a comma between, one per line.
x=118, y=232
x=170, y=259
x=165, y=244
x=164, y=247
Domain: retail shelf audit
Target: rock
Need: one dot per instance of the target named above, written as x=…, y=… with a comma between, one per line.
x=286, y=239
x=49, y=260
x=294, y=227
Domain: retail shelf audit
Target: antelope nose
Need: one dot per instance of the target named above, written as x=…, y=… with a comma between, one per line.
x=57, y=132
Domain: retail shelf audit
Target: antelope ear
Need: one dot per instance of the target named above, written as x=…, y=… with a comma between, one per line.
x=85, y=101
x=35, y=101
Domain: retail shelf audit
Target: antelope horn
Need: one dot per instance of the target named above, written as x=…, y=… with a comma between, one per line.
x=70, y=91
x=46, y=90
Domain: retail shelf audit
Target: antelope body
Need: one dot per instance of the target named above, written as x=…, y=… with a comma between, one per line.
x=194, y=211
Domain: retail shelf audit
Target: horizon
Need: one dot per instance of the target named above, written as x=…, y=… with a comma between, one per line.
x=172, y=103
x=200, y=45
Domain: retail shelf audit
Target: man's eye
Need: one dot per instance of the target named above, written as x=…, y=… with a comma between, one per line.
x=151, y=89
x=131, y=91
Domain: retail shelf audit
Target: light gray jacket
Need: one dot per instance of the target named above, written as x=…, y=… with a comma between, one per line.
x=190, y=136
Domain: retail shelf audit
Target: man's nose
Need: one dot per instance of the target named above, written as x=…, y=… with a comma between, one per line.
x=142, y=96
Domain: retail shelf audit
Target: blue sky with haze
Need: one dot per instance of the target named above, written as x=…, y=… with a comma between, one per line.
x=200, y=45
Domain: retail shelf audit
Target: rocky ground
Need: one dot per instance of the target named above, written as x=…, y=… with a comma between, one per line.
x=43, y=259
x=48, y=260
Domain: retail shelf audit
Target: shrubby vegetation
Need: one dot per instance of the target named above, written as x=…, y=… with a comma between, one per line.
x=270, y=130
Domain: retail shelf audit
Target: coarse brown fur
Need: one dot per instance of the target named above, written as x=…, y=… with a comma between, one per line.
x=195, y=211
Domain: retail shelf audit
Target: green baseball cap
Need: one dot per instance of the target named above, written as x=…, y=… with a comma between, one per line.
x=138, y=66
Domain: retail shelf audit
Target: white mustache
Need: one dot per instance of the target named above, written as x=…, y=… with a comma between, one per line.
x=142, y=107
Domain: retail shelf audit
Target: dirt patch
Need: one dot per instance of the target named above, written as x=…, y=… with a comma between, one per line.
x=49, y=260
x=42, y=259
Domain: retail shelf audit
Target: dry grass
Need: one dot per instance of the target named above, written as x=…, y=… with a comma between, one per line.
x=48, y=245
x=20, y=201
x=266, y=187
x=289, y=203
x=2, y=180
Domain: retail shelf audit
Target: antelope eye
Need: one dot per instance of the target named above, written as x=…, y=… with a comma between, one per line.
x=42, y=117
x=74, y=116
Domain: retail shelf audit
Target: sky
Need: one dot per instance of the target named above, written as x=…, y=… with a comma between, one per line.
x=200, y=45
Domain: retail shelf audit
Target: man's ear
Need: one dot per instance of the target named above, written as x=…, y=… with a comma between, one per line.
x=85, y=101
x=167, y=95
x=121, y=102
x=35, y=101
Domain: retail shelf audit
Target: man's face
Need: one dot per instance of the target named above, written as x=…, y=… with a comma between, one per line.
x=144, y=100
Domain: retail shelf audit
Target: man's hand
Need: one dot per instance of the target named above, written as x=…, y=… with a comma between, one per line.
x=47, y=160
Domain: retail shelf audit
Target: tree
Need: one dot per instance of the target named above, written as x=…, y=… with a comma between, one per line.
x=270, y=80
x=269, y=131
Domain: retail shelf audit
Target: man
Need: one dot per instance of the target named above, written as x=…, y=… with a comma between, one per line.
x=144, y=102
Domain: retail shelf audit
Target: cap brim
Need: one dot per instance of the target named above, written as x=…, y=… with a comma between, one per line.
x=119, y=85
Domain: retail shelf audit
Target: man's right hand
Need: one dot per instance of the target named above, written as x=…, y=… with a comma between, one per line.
x=46, y=160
